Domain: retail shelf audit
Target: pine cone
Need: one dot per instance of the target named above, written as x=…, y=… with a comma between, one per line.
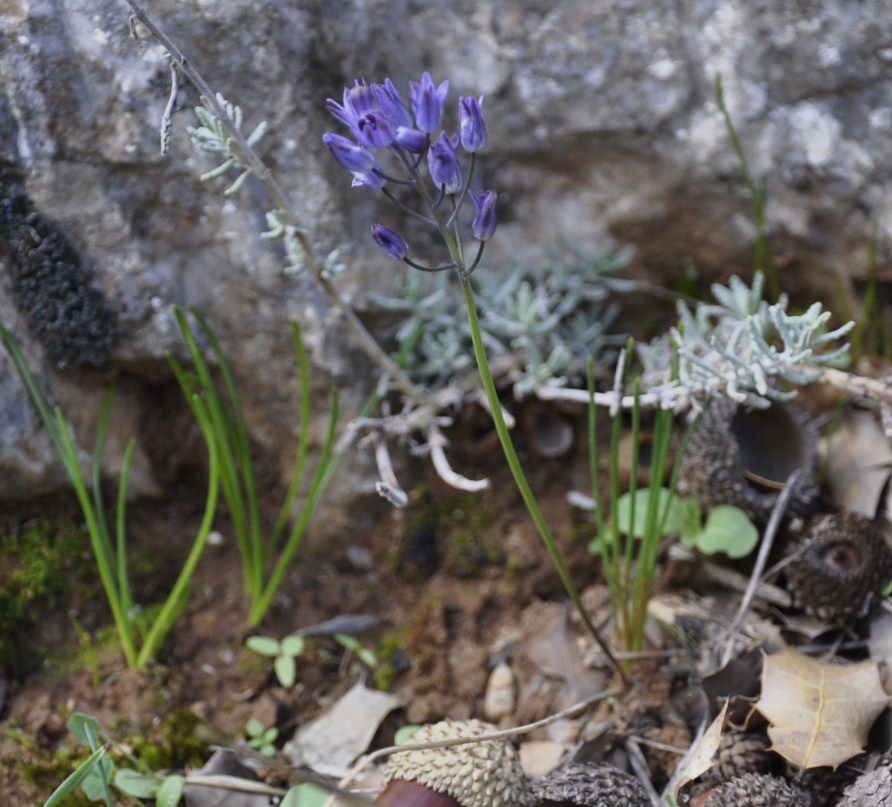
x=825, y=784
x=740, y=752
x=839, y=567
x=589, y=786
x=743, y=456
x=757, y=790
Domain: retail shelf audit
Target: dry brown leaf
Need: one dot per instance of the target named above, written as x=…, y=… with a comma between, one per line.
x=703, y=756
x=820, y=712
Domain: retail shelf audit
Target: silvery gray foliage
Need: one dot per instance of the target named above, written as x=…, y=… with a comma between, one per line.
x=742, y=347
x=552, y=317
x=212, y=138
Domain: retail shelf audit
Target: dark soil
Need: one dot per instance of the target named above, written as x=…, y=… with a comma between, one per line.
x=457, y=583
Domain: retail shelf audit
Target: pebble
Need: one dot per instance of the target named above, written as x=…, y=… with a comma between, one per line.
x=499, y=699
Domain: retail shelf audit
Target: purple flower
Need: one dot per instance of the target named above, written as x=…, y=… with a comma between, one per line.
x=348, y=154
x=392, y=242
x=373, y=129
x=358, y=101
x=471, y=126
x=485, y=219
x=369, y=179
x=443, y=164
x=391, y=104
x=427, y=102
x=410, y=139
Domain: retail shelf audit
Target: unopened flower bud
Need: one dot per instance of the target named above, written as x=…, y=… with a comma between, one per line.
x=485, y=218
x=369, y=179
x=471, y=127
x=352, y=156
x=444, y=166
x=427, y=102
x=413, y=140
x=392, y=242
x=391, y=104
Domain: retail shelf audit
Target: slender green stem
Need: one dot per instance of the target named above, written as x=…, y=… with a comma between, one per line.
x=240, y=440
x=762, y=261
x=303, y=441
x=99, y=543
x=121, y=528
x=317, y=489
x=173, y=604
x=520, y=479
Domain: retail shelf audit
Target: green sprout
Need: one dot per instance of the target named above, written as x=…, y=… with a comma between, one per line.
x=109, y=542
x=96, y=775
x=358, y=649
x=265, y=555
x=260, y=737
x=284, y=654
x=727, y=528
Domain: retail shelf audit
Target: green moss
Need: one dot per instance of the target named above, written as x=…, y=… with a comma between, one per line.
x=393, y=658
x=37, y=566
x=451, y=531
x=39, y=770
x=177, y=742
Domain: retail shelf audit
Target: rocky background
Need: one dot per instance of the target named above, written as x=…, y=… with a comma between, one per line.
x=602, y=122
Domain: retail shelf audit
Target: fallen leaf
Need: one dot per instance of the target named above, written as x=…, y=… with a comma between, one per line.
x=820, y=712
x=553, y=650
x=702, y=759
x=856, y=460
x=332, y=741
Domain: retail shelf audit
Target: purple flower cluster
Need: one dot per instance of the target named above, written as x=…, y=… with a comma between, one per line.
x=382, y=126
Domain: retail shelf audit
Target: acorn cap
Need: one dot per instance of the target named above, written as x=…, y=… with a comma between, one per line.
x=589, y=786
x=871, y=789
x=481, y=774
x=757, y=790
x=839, y=567
x=742, y=456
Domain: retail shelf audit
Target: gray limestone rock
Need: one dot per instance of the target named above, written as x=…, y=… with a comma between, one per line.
x=602, y=123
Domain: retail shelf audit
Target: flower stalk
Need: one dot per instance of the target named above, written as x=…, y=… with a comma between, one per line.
x=374, y=114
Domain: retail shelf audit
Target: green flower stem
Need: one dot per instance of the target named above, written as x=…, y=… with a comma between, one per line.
x=520, y=479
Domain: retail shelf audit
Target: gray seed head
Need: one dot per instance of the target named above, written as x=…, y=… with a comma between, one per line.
x=482, y=774
x=871, y=789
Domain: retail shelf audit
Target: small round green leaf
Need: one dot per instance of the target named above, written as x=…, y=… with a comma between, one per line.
x=171, y=791
x=286, y=670
x=265, y=645
x=137, y=784
x=728, y=530
x=293, y=645
x=681, y=514
x=254, y=727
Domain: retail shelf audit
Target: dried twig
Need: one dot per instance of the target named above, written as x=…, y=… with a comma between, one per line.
x=761, y=561
x=258, y=169
x=436, y=441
